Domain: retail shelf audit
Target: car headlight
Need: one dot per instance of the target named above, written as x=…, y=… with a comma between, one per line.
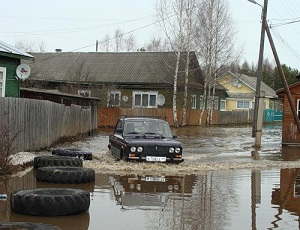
x=171, y=150
x=140, y=149
x=133, y=149
x=177, y=150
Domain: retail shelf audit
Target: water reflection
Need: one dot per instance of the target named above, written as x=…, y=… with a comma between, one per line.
x=74, y=222
x=147, y=192
x=287, y=195
x=230, y=199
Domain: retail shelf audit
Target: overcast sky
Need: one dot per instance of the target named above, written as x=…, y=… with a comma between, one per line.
x=74, y=25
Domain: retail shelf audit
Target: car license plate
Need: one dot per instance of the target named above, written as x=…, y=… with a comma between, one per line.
x=160, y=159
x=156, y=179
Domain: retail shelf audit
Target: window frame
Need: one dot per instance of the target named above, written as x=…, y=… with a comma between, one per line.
x=193, y=101
x=243, y=101
x=113, y=102
x=142, y=93
x=3, y=81
x=298, y=108
x=221, y=107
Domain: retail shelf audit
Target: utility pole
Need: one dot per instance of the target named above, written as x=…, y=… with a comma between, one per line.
x=258, y=106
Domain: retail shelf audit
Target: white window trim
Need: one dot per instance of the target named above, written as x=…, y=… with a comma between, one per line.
x=193, y=101
x=3, y=81
x=114, y=92
x=224, y=105
x=216, y=102
x=144, y=92
x=298, y=107
x=243, y=102
x=201, y=102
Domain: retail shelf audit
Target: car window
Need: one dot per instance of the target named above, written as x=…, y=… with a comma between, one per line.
x=147, y=127
x=119, y=127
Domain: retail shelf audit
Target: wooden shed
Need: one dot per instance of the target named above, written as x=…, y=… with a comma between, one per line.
x=290, y=134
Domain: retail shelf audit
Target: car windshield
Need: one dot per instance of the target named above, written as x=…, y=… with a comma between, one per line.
x=158, y=128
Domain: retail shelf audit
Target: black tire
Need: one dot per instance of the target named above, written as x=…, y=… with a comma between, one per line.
x=27, y=226
x=73, y=153
x=65, y=175
x=44, y=161
x=50, y=201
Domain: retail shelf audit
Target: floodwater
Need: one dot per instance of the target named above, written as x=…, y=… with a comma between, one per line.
x=222, y=184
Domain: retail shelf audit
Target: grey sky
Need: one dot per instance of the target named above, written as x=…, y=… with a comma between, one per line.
x=74, y=25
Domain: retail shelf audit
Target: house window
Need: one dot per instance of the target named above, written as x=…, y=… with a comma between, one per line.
x=272, y=105
x=84, y=92
x=114, y=99
x=193, y=102
x=202, y=102
x=216, y=102
x=223, y=105
x=2, y=81
x=145, y=99
x=243, y=105
x=298, y=108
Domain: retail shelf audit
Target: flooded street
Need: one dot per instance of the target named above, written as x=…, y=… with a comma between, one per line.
x=222, y=184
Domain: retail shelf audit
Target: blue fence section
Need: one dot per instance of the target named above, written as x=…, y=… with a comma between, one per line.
x=272, y=115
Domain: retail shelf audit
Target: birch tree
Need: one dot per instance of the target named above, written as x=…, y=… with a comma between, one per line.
x=118, y=42
x=177, y=23
x=215, y=46
x=173, y=30
x=190, y=7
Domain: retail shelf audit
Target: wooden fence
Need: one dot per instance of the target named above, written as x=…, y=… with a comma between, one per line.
x=36, y=124
x=107, y=117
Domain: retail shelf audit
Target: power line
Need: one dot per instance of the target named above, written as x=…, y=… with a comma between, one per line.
x=73, y=30
x=90, y=45
x=285, y=23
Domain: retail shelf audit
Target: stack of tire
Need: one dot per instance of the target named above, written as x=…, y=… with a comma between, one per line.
x=62, y=169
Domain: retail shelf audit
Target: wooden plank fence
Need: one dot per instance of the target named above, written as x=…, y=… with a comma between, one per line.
x=37, y=124
x=107, y=117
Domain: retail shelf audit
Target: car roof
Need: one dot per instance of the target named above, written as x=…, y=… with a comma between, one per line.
x=142, y=119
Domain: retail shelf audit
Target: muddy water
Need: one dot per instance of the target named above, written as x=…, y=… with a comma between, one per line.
x=223, y=184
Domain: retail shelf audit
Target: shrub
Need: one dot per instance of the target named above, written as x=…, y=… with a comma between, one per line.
x=6, y=149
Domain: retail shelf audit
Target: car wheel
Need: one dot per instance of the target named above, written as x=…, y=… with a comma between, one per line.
x=27, y=226
x=73, y=153
x=65, y=175
x=50, y=201
x=44, y=161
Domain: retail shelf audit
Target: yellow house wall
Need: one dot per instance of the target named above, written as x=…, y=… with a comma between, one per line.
x=231, y=104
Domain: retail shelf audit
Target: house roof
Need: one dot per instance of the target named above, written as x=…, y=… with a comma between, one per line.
x=241, y=95
x=114, y=67
x=282, y=90
x=251, y=83
x=6, y=49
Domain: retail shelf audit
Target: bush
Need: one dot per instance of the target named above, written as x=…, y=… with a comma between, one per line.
x=6, y=149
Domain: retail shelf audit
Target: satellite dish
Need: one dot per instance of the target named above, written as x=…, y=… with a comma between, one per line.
x=161, y=99
x=125, y=98
x=23, y=71
x=235, y=82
